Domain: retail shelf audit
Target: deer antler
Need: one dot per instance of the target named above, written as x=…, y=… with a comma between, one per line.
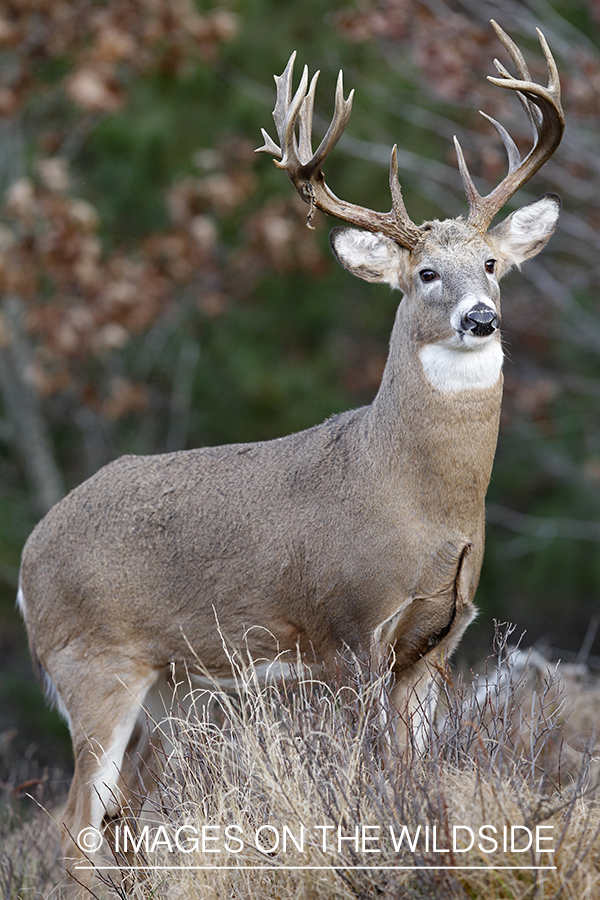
x=305, y=167
x=542, y=105
x=543, y=108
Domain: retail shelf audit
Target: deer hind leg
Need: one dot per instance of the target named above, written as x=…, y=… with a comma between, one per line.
x=173, y=695
x=103, y=709
x=151, y=732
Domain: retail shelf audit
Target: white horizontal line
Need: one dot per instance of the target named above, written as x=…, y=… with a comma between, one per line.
x=306, y=868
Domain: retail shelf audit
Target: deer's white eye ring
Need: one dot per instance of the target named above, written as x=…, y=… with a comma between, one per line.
x=428, y=275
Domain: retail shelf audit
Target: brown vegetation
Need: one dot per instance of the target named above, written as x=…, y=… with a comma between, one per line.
x=515, y=747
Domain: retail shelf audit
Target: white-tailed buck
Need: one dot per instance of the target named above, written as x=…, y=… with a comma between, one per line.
x=363, y=533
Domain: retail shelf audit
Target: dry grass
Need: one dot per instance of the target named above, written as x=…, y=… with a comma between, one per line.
x=29, y=839
x=515, y=748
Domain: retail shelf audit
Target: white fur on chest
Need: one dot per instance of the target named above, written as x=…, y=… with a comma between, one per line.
x=450, y=368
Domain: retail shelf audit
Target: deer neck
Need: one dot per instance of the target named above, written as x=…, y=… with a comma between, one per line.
x=442, y=441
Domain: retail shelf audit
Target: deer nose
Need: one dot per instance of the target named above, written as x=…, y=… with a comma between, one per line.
x=481, y=320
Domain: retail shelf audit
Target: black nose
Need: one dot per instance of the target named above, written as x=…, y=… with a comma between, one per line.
x=481, y=320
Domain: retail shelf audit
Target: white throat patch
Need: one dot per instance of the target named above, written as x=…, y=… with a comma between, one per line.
x=450, y=368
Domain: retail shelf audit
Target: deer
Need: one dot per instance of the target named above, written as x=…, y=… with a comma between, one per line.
x=361, y=535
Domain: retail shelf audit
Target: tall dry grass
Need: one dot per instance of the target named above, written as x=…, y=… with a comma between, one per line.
x=281, y=765
x=291, y=768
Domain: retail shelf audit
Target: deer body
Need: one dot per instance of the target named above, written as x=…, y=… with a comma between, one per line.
x=363, y=533
x=319, y=536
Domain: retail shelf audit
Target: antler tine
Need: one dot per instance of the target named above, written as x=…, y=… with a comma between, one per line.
x=553, y=76
x=283, y=84
x=287, y=134
x=513, y=51
x=398, y=205
x=544, y=110
x=512, y=151
x=305, y=118
x=532, y=112
x=283, y=99
x=341, y=114
x=305, y=168
x=473, y=195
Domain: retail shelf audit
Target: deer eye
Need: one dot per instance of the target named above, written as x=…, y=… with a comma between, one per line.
x=490, y=265
x=428, y=275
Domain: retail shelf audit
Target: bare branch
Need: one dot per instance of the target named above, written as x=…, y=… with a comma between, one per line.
x=22, y=404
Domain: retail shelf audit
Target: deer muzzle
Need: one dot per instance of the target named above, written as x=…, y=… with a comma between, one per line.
x=481, y=320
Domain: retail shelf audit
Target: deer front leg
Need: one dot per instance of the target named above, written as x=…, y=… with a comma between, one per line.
x=422, y=633
x=415, y=693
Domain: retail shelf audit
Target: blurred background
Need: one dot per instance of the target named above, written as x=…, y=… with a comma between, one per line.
x=160, y=290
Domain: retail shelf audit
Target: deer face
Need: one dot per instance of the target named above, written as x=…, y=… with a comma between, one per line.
x=450, y=281
x=452, y=289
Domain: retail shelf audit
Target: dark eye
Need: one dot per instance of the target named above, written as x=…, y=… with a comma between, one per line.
x=490, y=265
x=428, y=275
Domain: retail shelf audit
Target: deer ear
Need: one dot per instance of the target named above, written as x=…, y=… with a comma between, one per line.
x=372, y=257
x=527, y=230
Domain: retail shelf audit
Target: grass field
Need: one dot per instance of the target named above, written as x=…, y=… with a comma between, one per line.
x=299, y=790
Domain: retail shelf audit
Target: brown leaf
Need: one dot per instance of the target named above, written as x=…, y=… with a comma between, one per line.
x=94, y=90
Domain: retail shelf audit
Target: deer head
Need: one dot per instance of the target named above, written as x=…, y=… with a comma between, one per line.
x=457, y=309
